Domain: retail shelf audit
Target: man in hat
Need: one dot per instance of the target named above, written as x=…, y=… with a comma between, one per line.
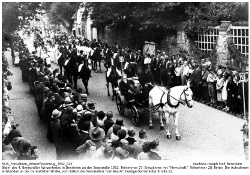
x=56, y=132
x=78, y=113
x=39, y=96
x=96, y=135
x=49, y=107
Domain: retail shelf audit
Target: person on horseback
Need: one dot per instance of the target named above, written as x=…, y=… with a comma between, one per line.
x=64, y=54
x=84, y=70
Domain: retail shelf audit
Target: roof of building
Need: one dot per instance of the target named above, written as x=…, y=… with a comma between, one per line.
x=74, y=16
x=224, y=25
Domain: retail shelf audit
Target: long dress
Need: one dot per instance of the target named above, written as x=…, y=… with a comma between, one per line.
x=224, y=91
x=219, y=84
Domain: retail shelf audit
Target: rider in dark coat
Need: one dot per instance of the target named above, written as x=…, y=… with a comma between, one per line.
x=64, y=51
x=74, y=66
x=84, y=72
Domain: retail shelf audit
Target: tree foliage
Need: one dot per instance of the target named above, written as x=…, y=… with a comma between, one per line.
x=16, y=14
x=165, y=15
x=61, y=12
x=208, y=14
x=144, y=14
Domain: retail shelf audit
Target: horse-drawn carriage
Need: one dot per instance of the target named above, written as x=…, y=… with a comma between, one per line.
x=129, y=96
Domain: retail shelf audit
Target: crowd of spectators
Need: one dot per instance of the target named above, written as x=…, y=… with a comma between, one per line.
x=216, y=86
x=79, y=131
x=74, y=126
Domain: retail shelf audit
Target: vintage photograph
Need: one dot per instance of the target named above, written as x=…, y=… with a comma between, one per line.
x=125, y=81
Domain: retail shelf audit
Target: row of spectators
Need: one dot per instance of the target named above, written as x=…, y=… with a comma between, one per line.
x=14, y=145
x=218, y=86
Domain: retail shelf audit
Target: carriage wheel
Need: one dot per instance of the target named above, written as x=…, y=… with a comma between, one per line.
x=119, y=104
x=134, y=115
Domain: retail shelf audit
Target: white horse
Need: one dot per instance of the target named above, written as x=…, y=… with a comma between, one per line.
x=166, y=103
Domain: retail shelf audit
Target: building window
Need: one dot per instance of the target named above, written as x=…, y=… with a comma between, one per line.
x=207, y=40
x=240, y=38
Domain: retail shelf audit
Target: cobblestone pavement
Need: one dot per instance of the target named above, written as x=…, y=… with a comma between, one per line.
x=207, y=133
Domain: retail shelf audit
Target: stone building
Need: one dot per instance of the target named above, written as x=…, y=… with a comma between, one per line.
x=83, y=27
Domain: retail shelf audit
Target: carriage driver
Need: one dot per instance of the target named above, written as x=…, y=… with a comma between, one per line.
x=146, y=77
x=146, y=80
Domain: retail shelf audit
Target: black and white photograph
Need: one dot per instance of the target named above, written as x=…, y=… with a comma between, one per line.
x=124, y=82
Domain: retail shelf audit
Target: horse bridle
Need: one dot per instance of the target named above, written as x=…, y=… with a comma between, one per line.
x=184, y=91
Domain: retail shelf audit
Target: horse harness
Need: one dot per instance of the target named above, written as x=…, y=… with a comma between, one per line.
x=161, y=104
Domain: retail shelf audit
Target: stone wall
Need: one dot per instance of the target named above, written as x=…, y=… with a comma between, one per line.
x=121, y=37
x=175, y=44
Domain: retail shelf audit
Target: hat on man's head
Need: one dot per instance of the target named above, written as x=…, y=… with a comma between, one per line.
x=91, y=106
x=68, y=102
x=56, y=114
x=96, y=133
x=87, y=116
x=119, y=121
x=79, y=108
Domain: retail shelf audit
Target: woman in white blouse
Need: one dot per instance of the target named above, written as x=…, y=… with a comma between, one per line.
x=178, y=72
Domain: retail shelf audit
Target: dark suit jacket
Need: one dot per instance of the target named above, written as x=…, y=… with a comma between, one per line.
x=56, y=131
x=49, y=106
x=58, y=100
x=39, y=91
x=83, y=137
x=198, y=75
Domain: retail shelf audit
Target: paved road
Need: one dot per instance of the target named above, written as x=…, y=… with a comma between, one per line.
x=206, y=133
